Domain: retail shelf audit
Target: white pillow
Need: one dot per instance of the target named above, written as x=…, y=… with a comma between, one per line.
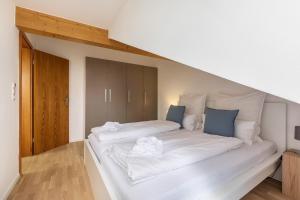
x=194, y=104
x=246, y=131
x=203, y=122
x=258, y=139
x=250, y=106
x=189, y=122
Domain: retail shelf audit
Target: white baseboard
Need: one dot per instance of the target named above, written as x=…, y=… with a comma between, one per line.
x=11, y=187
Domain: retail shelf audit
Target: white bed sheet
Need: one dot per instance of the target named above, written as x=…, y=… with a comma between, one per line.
x=195, y=181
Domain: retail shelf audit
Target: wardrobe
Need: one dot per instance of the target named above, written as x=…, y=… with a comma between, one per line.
x=117, y=91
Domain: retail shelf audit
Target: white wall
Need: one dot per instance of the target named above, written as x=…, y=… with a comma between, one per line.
x=175, y=79
x=254, y=42
x=76, y=54
x=9, y=121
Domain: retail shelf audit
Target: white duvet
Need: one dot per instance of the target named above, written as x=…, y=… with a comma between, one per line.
x=179, y=150
x=136, y=130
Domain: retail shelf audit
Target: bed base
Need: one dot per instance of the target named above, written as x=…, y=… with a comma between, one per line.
x=234, y=190
x=100, y=184
x=243, y=184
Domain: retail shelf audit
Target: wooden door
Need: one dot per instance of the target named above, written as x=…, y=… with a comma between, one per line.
x=150, y=93
x=51, y=101
x=135, y=93
x=26, y=102
x=96, y=93
x=116, y=85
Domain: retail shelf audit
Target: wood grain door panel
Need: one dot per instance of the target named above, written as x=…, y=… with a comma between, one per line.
x=96, y=93
x=150, y=93
x=51, y=109
x=62, y=105
x=116, y=83
x=135, y=90
x=26, y=102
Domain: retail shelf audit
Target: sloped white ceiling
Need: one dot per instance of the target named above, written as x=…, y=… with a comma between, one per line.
x=98, y=13
x=252, y=42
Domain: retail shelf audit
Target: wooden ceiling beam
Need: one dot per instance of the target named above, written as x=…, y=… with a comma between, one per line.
x=56, y=27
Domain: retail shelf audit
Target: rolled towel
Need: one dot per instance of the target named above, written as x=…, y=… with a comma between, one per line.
x=107, y=127
x=147, y=147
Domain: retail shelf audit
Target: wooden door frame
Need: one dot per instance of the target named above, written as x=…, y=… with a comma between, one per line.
x=23, y=43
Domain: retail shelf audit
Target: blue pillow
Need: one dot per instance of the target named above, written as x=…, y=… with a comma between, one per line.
x=220, y=122
x=176, y=114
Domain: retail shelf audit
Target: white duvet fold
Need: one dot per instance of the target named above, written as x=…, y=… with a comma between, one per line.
x=179, y=150
x=135, y=130
x=107, y=127
x=147, y=146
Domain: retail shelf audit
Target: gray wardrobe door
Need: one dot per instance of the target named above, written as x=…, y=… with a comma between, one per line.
x=150, y=93
x=96, y=93
x=135, y=93
x=116, y=81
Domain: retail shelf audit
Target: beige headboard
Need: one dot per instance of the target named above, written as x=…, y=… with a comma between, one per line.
x=274, y=120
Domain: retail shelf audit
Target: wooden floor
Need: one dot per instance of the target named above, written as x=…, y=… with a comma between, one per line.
x=270, y=189
x=60, y=175
x=54, y=175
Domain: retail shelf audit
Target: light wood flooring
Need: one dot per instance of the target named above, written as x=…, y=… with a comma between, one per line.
x=54, y=175
x=270, y=189
x=59, y=174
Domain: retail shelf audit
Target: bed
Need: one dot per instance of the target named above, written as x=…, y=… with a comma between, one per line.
x=224, y=177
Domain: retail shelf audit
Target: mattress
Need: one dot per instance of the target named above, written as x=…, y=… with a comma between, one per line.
x=195, y=181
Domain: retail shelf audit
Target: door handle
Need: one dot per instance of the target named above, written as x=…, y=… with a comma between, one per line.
x=128, y=96
x=67, y=101
x=105, y=95
x=109, y=95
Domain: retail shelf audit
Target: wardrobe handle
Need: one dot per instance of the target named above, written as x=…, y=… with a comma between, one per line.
x=105, y=95
x=128, y=96
x=109, y=95
x=145, y=98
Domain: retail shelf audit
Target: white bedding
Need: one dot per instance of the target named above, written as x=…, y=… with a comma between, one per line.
x=101, y=146
x=179, y=150
x=195, y=181
x=136, y=129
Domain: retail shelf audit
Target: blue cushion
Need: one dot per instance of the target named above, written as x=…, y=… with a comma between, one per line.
x=176, y=114
x=220, y=122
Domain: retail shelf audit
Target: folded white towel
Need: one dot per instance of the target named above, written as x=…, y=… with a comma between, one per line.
x=107, y=127
x=147, y=147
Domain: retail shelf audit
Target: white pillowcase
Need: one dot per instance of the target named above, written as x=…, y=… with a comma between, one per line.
x=246, y=131
x=258, y=139
x=203, y=122
x=189, y=122
x=250, y=106
x=194, y=104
